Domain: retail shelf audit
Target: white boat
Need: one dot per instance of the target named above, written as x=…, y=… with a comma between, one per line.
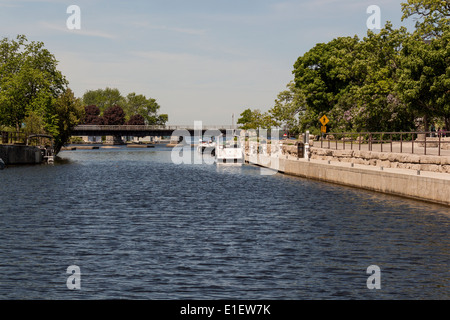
x=229, y=152
x=206, y=147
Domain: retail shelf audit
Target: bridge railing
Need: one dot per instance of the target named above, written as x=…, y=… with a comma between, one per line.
x=146, y=127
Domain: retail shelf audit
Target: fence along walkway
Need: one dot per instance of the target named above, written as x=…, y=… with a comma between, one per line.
x=426, y=143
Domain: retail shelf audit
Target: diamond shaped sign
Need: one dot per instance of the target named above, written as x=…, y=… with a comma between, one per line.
x=324, y=120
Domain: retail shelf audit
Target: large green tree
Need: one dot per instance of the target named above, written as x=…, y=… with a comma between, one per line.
x=103, y=98
x=386, y=81
x=34, y=95
x=323, y=75
x=29, y=81
x=256, y=119
x=370, y=101
x=138, y=104
x=424, y=77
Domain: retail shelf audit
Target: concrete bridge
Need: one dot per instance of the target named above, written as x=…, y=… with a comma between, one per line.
x=144, y=131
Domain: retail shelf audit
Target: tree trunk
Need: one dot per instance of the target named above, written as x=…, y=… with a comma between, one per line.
x=425, y=123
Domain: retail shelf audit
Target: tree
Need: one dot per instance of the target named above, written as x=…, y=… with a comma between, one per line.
x=114, y=116
x=92, y=115
x=249, y=119
x=68, y=112
x=255, y=119
x=136, y=120
x=433, y=16
x=146, y=107
x=103, y=98
x=133, y=104
x=288, y=106
x=33, y=93
x=424, y=77
x=371, y=102
x=29, y=81
x=323, y=75
x=162, y=119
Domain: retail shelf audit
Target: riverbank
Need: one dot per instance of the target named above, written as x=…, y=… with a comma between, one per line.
x=420, y=185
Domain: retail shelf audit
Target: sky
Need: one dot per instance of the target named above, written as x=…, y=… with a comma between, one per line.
x=202, y=60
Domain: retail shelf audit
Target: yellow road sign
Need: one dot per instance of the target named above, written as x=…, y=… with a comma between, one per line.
x=324, y=120
x=323, y=129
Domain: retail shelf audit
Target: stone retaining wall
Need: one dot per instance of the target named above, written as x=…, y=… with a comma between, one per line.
x=385, y=159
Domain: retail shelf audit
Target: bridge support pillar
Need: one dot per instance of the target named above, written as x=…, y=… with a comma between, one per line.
x=114, y=140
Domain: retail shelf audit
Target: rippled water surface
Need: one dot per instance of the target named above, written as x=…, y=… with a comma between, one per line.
x=140, y=227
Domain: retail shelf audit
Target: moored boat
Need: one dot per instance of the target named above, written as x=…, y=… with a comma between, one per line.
x=229, y=152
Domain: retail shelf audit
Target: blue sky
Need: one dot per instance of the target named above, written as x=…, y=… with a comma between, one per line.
x=200, y=59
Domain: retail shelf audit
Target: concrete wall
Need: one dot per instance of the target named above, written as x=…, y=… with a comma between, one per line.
x=14, y=154
x=428, y=186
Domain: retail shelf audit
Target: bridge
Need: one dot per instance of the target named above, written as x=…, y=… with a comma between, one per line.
x=144, y=131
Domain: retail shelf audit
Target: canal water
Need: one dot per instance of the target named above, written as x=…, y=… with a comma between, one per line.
x=139, y=226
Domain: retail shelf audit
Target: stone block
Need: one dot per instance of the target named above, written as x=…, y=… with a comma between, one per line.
x=430, y=167
x=430, y=160
x=411, y=158
x=357, y=154
x=383, y=155
x=343, y=153
x=445, y=160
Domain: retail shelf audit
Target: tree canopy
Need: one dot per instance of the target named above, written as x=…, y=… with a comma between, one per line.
x=391, y=80
x=34, y=95
x=133, y=104
x=432, y=16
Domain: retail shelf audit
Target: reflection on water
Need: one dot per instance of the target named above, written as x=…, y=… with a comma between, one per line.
x=141, y=227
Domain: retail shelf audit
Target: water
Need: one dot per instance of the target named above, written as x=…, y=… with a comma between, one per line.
x=140, y=227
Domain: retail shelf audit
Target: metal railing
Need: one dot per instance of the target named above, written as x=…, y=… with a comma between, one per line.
x=400, y=142
x=12, y=137
x=147, y=127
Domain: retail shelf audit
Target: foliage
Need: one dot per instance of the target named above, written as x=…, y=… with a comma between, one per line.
x=287, y=109
x=424, y=78
x=254, y=119
x=140, y=105
x=387, y=81
x=114, y=116
x=92, y=115
x=103, y=98
x=68, y=112
x=133, y=104
x=29, y=81
x=136, y=120
x=33, y=94
x=433, y=16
